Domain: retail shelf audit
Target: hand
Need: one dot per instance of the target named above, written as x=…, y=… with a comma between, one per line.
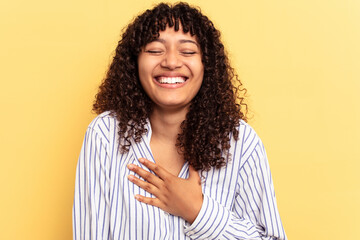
x=177, y=196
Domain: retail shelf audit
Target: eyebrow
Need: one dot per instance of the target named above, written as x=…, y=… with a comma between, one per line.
x=188, y=41
x=181, y=41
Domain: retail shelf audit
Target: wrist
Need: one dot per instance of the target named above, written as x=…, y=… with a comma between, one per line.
x=194, y=212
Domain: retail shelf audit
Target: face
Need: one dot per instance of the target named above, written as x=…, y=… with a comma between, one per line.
x=170, y=69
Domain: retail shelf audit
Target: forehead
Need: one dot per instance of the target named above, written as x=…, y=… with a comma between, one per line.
x=170, y=34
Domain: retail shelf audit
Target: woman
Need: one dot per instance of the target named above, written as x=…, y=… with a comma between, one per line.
x=170, y=155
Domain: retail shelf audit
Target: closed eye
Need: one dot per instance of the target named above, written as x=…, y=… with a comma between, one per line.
x=154, y=51
x=189, y=53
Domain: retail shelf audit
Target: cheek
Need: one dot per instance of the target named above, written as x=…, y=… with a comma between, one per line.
x=143, y=70
x=146, y=66
x=197, y=68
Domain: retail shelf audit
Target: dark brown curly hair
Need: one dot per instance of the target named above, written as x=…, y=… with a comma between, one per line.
x=215, y=111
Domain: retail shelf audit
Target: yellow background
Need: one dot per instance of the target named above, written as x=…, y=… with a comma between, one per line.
x=300, y=61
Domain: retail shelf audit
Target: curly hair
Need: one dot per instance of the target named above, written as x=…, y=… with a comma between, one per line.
x=214, y=113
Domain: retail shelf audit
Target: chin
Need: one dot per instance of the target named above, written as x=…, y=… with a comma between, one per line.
x=172, y=104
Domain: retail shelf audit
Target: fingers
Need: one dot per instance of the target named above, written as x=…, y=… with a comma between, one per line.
x=148, y=200
x=150, y=188
x=148, y=176
x=161, y=172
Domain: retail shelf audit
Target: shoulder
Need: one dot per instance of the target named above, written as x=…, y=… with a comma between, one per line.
x=105, y=125
x=103, y=120
x=247, y=133
x=249, y=141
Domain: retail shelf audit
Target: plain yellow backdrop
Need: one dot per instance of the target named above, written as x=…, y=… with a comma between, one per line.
x=299, y=60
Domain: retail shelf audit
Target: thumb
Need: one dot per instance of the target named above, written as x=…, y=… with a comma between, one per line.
x=193, y=174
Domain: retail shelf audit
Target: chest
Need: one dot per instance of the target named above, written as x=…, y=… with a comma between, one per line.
x=131, y=219
x=167, y=156
x=218, y=183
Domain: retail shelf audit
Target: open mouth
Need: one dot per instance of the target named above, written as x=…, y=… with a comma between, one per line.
x=171, y=80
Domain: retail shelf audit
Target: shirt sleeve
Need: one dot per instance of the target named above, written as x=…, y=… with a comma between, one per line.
x=91, y=198
x=254, y=214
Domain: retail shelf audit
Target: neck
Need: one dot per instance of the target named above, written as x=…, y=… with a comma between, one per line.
x=165, y=124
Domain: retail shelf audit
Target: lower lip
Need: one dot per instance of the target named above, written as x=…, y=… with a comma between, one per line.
x=170, y=85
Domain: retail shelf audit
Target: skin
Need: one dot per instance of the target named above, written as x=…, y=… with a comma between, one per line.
x=172, y=55
x=177, y=196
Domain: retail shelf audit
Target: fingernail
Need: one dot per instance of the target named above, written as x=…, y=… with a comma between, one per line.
x=130, y=166
x=141, y=160
x=137, y=197
x=131, y=177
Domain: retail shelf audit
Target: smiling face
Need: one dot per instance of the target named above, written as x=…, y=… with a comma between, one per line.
x=170, y=69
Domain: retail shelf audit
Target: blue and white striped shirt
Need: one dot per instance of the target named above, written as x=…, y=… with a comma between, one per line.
x=239, y=199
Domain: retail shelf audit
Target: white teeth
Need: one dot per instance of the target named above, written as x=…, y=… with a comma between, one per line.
x=171, y=80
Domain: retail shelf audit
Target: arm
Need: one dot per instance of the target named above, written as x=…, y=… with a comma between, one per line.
x=254, y=214
x=91, y=200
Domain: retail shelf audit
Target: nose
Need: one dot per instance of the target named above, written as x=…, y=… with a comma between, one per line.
x=171, y=60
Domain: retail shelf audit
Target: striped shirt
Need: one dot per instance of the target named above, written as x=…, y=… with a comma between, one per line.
x=239, y=200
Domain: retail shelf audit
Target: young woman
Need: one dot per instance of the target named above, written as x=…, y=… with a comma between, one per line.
x=170, y=155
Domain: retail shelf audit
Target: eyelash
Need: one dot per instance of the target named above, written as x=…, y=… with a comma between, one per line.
x=188, y=53
x=159, y=52
x=153, y=51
